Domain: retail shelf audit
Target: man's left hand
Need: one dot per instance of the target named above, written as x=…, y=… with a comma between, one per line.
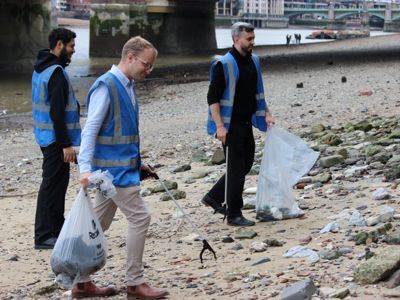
x=268, y=118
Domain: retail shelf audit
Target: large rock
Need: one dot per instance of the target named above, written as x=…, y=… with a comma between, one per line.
x=323, y=178
x=395, y=134
x=300, y=290
x=363, y=125
x=177, y=194
x=317, y=128
x=199, y=156
x=218, y=157
x=171, y=185
x=392, y=173
x=393, y=238
x=330, y=161
x=378, y=267
x=371, y=150
x=331, y=139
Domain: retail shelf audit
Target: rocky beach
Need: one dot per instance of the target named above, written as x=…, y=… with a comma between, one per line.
x=342, y=98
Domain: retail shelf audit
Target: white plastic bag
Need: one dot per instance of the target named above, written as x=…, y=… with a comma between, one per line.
x=81, y=248
x=103, y=182
x=286, y=158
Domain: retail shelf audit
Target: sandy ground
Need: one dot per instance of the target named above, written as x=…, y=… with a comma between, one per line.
x=172, y=128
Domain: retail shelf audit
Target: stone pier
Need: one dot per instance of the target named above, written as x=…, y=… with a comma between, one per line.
x=175, y=27
x=24, y=28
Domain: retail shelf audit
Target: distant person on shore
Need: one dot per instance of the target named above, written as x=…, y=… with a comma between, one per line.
x=299, y=37
x=288, y=38
x=110, y=141
x=236, y=103
x=55, y=112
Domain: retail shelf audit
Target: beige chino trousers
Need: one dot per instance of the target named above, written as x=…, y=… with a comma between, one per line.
x=131, y=204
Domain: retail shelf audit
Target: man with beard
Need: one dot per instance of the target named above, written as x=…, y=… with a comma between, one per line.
x=55, y=112
x=236, y=102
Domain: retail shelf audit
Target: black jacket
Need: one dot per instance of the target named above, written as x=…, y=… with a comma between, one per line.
x=58, y=94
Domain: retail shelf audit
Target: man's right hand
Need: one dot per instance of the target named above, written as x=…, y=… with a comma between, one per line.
x=69, y=155
x=84, y=179
x=221, y=134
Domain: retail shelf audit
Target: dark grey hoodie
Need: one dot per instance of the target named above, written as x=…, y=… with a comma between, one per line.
x=58, y=94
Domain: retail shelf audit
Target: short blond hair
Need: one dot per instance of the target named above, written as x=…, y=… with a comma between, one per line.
x=136, y=45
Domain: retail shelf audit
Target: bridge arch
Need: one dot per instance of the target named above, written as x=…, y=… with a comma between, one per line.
x=295, y=14
x=344, y=15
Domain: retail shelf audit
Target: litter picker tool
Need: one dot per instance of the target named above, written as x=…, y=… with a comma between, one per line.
x=224, y=205
x=206, y=245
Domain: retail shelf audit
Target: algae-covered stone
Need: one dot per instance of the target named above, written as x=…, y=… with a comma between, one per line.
x=394, y=160
x=199, y=174
x=363, y=125
x=182, y=168
x=378, y=267
x=331, y=139
x=371, y=150
x=395, y=134
x=317, y=128
x=177, y=194
x=361, y=238
x=342, y=152
x=171, y=185
x=323, y=178
x=330, y=161
x=392, y=173
x=199, y=156
x=393, y=238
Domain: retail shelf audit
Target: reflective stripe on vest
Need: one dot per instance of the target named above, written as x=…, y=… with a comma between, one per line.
x=103, y=163
x=49, y=126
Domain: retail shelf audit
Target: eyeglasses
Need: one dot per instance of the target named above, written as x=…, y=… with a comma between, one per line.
x=148, y=66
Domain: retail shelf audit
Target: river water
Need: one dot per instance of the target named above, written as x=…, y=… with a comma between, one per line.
x=15, y=96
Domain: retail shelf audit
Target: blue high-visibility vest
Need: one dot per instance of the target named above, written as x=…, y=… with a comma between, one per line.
x=43, y=125
x=117, y=143
x=231, y=72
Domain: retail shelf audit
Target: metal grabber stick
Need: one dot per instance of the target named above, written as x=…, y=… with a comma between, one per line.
x=225, y=204
x=206, y=245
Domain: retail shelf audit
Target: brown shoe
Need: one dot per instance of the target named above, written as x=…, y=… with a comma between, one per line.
x=144, y=291
x=89, y=289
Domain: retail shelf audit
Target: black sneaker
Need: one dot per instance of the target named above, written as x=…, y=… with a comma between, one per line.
x=240, y=221
x=218, y=208
x=47, y=244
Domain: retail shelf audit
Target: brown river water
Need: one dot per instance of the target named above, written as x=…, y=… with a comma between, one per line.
x=15, y=96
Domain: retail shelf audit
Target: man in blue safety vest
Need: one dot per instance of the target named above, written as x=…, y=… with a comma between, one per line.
x=110, y=141
x=55, y=112
x=236, y=103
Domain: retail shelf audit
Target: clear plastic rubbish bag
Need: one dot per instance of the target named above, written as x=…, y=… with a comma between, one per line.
x=285, y=160
x=103, y=182
x=81, y=248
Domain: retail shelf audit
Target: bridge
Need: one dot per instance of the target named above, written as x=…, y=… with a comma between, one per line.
x=173, y=26
x=336, y=16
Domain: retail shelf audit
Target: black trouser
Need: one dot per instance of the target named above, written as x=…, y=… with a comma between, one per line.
x=51, y=198
x=241, y=147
